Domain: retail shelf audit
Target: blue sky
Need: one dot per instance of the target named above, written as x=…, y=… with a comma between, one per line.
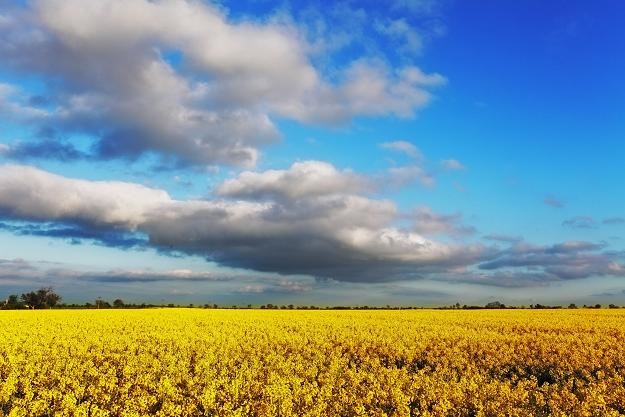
x=425, y=152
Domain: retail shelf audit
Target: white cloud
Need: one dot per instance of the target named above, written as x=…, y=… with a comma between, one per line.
x=452, y=165
x=401, y=176
x=303, y=179
x=216, y=107
x=410, y=39
x=403, y=147
x=31, y=194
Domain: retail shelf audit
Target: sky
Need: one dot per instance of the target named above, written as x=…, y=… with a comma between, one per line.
x=411, y=152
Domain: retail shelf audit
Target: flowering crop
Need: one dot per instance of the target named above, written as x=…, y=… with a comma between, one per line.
x=191, y=362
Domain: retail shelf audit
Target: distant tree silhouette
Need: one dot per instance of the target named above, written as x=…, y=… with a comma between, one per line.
x=12, y=303
x=42, y=298
x=495, y=304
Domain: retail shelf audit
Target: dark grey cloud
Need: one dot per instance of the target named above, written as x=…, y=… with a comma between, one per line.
x=573, y=246
x=580, y=222
x=504, y=278
x=564, y=261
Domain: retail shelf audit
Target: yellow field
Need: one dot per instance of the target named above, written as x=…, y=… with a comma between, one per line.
x=183, y=362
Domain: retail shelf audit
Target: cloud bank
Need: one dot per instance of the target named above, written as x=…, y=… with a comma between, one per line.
x=264, y=221
x=180, y=80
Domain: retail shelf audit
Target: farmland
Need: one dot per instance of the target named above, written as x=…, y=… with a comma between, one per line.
x=193, y=362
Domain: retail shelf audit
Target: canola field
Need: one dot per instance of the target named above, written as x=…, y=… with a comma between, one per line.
x=192, y=362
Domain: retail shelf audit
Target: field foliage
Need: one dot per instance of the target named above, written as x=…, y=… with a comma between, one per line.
x=192, y=362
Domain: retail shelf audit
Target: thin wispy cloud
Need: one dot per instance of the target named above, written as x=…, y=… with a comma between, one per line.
x=554, y=202
x=403, y=147
x=580, y=222
x=452, y=165
x=503, y=238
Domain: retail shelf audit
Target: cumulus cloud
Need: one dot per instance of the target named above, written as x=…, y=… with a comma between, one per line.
x=27, y=193
x=116, y=80
x=303, y=179
x=258, y=221
x=339, y=235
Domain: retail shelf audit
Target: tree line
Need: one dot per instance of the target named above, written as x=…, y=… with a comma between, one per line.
x=42, y=298
x=47, y=298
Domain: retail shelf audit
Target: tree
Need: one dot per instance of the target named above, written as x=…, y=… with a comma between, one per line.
x=495, y=304
x=50, y=297
x=119, y=303
x=12, y=303
x=42, y=298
